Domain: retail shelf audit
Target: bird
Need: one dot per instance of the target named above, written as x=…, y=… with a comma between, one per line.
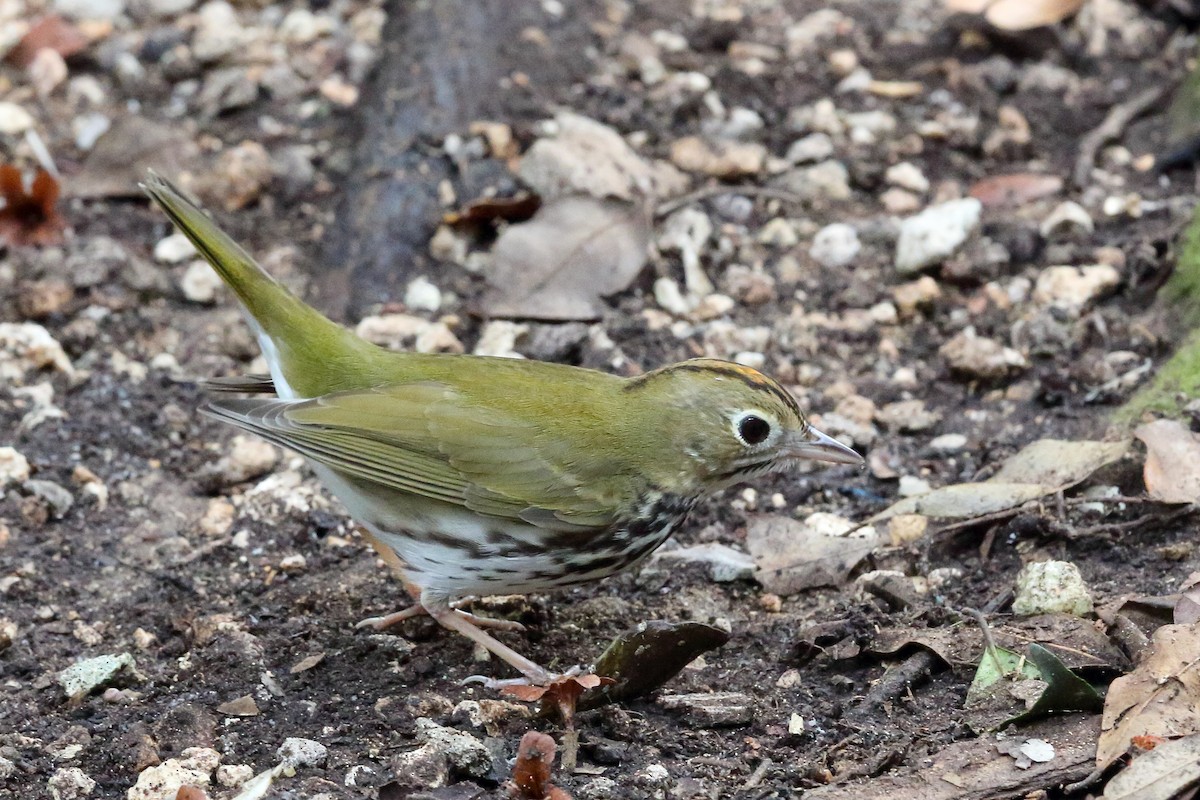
x=476, y=475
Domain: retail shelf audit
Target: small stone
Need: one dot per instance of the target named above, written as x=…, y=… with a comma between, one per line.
x=1049, y=587
x=809, y=149
x=58, y=498
x=948, y=443
x=779, y=232
x=218, y=517
x=302, y=26
x=725, y=159
x=90, y=9
x=240, y=175
x=915, y=295
x=14, y=467
x=249, y=457
x=200, y=283
x=712, y=709
x=899, y=201
x=232, y=776
x=421, y=295
x=725, y=565
x=835, y=245
x=464, y=752
x=907, y=415
x=935, y=234
x=600, y=789
x=88, y=128
x=1068, y=220
x=218, y=32
x=14, y=119
x=296, y=752
x=1073, y=289
x=27, y=346
x=907, y=176
x=823, y=182
x=8, y=635
x=174, y=249
x=44, y=298
x=405, y=331
x=981, y=358
x=905, y=529
x=795, y=724
x=85, y=676
x=499, y=338
x=293, y=563
x=194, y=767
x=47, y=71
x=70, y=783
x=911, y=486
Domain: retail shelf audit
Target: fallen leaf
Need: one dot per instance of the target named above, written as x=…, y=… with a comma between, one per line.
x=1172, y=470
x=794, y=555
x=1007, y=191
x=1041, y=468
x=643, y=659
x=1023, y=15
x=1065, y=691
x=1161, y=697
x=495, y=209
x=123, y=155
x=243, y=706
x=51, y=32
x=306, y=663
x=1161, y=774
x=29, y=218
x=531, y=772
x=560, y=264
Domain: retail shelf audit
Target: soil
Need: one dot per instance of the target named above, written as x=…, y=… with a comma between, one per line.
x=212, y=617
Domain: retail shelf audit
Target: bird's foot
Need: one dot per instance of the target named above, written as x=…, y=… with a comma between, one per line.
x=542, y=679
x=388, y=620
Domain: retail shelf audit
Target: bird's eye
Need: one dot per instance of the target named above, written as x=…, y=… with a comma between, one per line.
x=753, y=430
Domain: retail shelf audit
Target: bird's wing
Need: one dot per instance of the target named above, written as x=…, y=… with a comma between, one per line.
x=427, y=439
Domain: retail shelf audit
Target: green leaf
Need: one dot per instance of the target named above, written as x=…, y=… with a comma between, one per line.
x=1065, y=691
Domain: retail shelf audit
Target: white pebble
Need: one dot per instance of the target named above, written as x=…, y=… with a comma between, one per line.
x=835, y=245
x=421, y=295
x=935, y=234
x=174, y=249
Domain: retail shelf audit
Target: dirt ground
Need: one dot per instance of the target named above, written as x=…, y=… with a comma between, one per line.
x=229, y=575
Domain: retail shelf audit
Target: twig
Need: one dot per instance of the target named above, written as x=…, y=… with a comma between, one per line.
x=1119, y=116
x=897, y=680
x=757, y=776
x=671, y=206
x=1078, y=786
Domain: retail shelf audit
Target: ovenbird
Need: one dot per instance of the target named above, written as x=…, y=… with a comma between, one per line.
x=479, y=476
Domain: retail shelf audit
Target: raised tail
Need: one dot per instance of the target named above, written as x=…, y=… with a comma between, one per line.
x=308, y=353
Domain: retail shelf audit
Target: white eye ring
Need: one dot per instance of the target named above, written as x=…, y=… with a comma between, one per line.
x=753, y=428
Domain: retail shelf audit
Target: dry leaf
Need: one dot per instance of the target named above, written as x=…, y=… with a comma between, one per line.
x=1161, y=774
x=1161, y=697
x=1007, y=191
x=1187, y=607
x=306, y=663
x=1041, y=468
x=820, y=551
x=29, y=218
x=559, y=265
x=531, y=772
x=121, y=157
x=1172, y=471
x=50, y=32
x=486, y=210
x=1023, y=15
x=243, y=706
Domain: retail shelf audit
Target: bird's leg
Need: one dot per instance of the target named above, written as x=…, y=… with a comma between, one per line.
x=457, y=621
x=388, y=620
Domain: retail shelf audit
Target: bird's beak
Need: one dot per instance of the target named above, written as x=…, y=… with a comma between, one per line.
x=817, y=446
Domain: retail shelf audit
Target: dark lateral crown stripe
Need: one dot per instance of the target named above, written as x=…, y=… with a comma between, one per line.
x=751, y=377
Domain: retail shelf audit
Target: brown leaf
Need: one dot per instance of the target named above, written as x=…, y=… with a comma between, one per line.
x=243, y=706
x=1007, y=191
x=190, y=793
x=531, y=772
x=306, y=663
x=29, y=218
x=1172, y=470
x=560, y=264
x=794, y=555
x=1187, y=607
x=486, y=210
x=1161, y=697
x=1164, y=773
x=50, y=32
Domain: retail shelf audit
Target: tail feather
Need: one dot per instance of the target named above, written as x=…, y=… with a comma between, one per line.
x=308, y=354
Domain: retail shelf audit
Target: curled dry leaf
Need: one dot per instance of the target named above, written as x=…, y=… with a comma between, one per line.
x=1161, y=697
x=1023, y=15
x=1161, y=774
x=1172, y=470
x=489, y=210
x=563, y=262
x=531, y=772
x=29, y=217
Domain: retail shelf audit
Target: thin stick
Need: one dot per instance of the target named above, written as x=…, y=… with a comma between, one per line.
x=1119, y=117
x=671, y=206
